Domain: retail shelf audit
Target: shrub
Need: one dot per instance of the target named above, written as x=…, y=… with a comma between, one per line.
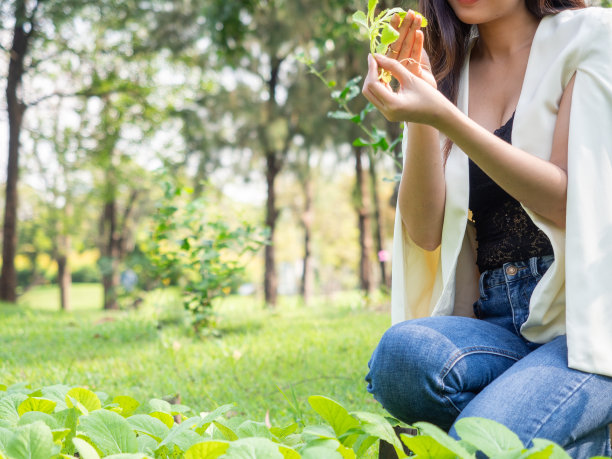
x=60, y=422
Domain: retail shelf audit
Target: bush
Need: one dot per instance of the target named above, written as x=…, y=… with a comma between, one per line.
x=59, y=422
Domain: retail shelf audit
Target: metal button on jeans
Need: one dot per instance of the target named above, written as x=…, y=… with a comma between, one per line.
x=511, y=270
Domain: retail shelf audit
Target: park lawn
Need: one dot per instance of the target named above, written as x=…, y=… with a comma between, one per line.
x=322, y=349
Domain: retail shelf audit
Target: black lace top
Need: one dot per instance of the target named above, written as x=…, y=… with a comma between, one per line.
x=504, y=231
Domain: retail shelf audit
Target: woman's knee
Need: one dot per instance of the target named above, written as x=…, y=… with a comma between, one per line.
x=405, y=372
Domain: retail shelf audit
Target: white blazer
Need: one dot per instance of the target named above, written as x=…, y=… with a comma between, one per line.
x=574, y=297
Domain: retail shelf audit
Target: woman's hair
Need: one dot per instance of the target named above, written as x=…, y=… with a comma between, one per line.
x=447, y=38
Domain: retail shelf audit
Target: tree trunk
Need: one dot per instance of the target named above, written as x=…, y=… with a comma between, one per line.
x=365, y=231
x=270, y=275
x=110, y=268
x=16, y=109
x=64, y=279
x=306, y=288
x=378, y=223
x=394, y=130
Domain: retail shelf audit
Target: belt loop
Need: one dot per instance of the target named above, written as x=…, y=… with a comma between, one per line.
x=533, y=264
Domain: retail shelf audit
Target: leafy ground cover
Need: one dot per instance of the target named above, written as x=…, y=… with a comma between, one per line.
x=152, y=352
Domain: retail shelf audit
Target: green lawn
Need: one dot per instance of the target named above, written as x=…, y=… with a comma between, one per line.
x=149, y=353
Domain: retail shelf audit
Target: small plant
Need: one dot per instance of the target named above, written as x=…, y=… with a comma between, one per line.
x=62, y=422
x=204, y=254
x=380, y=31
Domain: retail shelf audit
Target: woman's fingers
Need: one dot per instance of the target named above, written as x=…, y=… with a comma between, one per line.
x=396, y=47
x=411, y=37
x=371, y=83
x=397, y=70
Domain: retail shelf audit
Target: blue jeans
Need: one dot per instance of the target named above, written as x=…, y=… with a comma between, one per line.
x=440, y=369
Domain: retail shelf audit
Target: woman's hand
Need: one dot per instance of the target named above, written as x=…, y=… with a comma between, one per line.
x=415, y=100
x=408, y=48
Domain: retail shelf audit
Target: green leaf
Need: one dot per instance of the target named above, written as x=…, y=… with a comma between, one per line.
x=60, y=434
x=127, y=404
x=340, y=115
x=57, y=393
x=253, y=448
x=36, y=404
x=143, y=423
x=84, y=397
x=360, y=142
x=5, y=436
x=109, y=432
x=371, y=9
x=253, y=429
x=86, y=451
x=333, y=413
x=127, y=456
x=288, y=453
x=377, y=426
x=166, y=418
x=146, y=444
x=557, y=451
x=282, y=432
x=443, y=439
x=208, y=418
x=226, y=431
x=389, y=35
x=488, y=436
x=424, y=446
x=33, y=441
x=182, y=435
x=33, y=416
x=160, y=405
x=320, y=452
x=360, y=18
x=207, y=450
x=8, y=407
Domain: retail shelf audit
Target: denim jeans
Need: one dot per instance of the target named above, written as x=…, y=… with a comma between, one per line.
x=439, y=369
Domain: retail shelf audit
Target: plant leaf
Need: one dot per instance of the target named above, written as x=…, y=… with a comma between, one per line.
x=360, y=18
x=443, y=439
x=389, y=35
x=153, y=427
x=378, y=426
x=43, y=405
x=333, y=413
x=86, y=451
x=557, y=451
x=166, y=418
x=488, y=436
x=207, y=450
x=427, y=447
x=109, y=432
x=253, y=448
x=85, y=397
x=127, y=404
x=32, y=441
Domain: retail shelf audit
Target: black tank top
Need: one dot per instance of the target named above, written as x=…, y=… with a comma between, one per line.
x=504, y=231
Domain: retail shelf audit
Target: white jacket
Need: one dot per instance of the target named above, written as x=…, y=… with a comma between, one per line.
x=574, y=297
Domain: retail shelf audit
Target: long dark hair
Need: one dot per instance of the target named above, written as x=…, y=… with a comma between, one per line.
x=447, y=38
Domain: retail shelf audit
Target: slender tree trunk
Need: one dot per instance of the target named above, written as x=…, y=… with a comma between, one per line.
x=270, y=275
x=306, y=288
x=394, y=130
x=365, y=231
x=378, y=222
x=16, y=109
x=110, y=271
x=64, y=279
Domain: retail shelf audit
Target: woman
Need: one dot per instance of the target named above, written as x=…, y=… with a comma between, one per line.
x=510, y=120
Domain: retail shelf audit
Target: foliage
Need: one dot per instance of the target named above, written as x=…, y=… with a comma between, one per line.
x=380, y=31
x=376, y=140
x=200, y=250
x=63, y=422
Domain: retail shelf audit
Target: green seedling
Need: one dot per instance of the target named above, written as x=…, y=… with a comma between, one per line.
x=380, y=31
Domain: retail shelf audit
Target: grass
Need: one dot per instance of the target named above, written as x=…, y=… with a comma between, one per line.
x=151, y=353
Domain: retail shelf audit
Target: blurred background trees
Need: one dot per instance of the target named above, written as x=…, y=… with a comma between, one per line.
x=103, y=98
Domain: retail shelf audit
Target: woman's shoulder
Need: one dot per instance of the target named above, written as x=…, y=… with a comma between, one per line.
x=591, y=18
